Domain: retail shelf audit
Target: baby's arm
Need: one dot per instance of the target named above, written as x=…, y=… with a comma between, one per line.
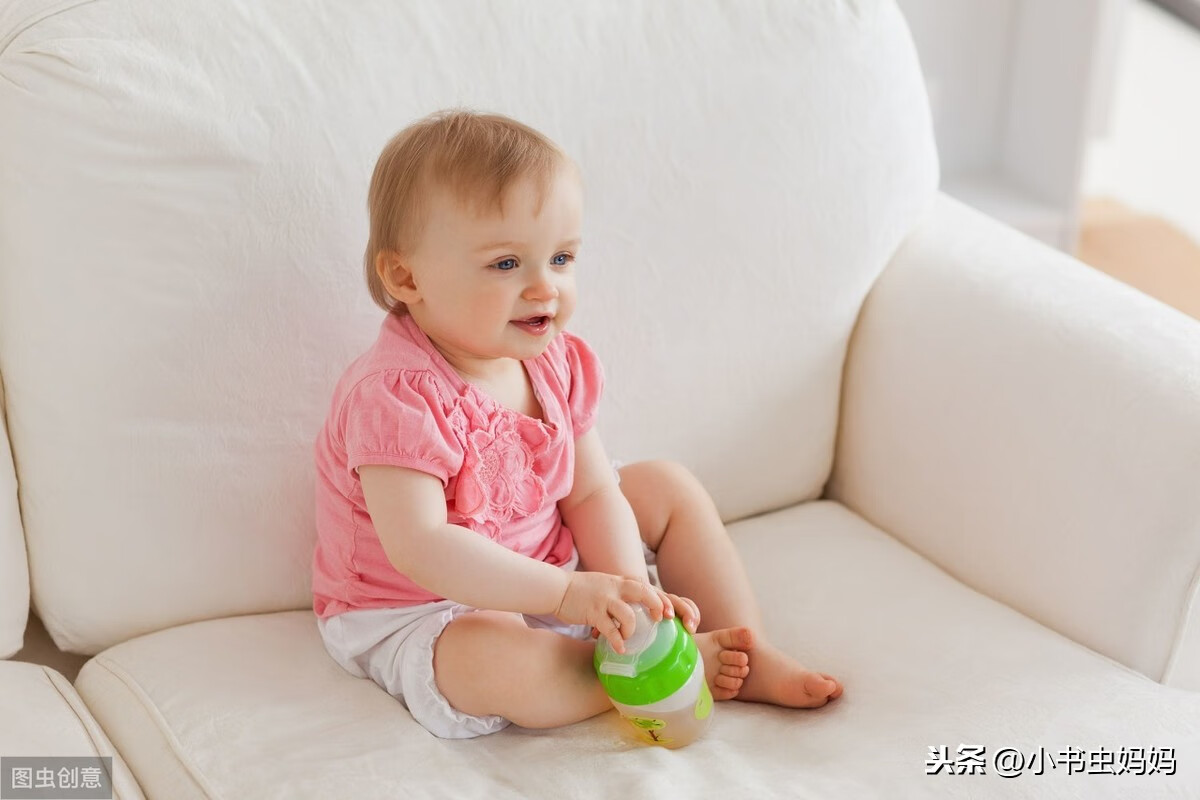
x=408, y=510
x=599, y=516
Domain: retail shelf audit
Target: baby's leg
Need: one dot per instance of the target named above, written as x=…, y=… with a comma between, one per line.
x=491, y=662
x=696, y=559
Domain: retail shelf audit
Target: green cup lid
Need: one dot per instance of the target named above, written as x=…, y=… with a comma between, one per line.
x=651, y=669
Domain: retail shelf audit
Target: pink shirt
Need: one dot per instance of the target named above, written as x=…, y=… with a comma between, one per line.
x=401, y=403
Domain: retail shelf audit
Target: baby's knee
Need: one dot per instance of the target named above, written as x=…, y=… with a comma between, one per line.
x=674, y=483
x=490, y=663
x=471, y=641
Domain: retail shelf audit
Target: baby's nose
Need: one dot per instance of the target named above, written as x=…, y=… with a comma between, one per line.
x=543, y=286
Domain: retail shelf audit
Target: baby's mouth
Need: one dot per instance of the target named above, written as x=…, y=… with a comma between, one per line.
x=537, y=325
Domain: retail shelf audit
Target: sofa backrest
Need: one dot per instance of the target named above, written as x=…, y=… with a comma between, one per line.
x=184, y=187
x=14, y=572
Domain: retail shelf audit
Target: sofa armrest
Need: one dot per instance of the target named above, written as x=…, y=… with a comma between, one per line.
x=14, y=563
x=1032, y=426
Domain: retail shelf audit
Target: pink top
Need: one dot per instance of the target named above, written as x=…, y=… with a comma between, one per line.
x=401, y=403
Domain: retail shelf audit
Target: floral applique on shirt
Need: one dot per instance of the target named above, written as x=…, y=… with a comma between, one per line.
x=498, y=480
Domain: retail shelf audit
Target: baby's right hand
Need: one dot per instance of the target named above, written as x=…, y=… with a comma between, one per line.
x=602, y=601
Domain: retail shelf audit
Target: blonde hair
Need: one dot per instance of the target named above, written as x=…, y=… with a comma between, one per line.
x=476, y=156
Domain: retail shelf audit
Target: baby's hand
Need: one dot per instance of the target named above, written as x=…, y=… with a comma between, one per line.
x=603, y=601
x=688, y=611
x=674, y=605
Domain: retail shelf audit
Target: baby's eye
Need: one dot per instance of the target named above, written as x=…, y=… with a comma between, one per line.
x=567, y=258
x=500, y=265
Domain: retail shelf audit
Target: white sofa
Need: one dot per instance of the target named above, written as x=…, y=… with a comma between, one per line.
x=961, y=467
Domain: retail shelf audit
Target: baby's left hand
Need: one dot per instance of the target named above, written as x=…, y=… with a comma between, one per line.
x=673, y=604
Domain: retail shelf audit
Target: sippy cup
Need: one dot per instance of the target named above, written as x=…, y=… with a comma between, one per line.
x=658, y=684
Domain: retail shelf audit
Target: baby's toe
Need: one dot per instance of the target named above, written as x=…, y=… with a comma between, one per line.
x=734, y=671
x=819, y=685
x=734, y=658
x=720, y=694
x=728, y=682
x=735, y=638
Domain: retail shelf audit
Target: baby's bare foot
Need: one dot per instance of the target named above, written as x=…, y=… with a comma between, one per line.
x=726, y=660
x=779, y=679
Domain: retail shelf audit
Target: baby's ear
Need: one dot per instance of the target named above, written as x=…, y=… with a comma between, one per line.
x=396, y=278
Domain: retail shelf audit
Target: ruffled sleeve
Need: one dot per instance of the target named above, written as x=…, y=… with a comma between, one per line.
x=396, y=417
x=586, y=382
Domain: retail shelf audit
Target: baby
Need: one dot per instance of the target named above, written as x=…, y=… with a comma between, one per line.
x=473, y=536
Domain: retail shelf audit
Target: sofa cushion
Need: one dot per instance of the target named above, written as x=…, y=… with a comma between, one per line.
x=254, y=707
x=41, y=715
x=184, y=192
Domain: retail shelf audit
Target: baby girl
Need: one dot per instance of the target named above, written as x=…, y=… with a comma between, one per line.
x=473, y=536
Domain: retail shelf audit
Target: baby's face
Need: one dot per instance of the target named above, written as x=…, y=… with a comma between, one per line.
x=478, y=275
